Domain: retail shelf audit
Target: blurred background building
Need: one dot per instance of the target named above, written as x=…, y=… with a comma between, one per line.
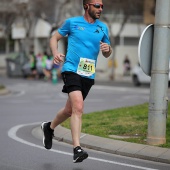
x=26, y=25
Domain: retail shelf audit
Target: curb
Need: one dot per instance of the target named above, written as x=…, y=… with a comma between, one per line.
x=146, y=152
x=4, y=91
x=140, y=151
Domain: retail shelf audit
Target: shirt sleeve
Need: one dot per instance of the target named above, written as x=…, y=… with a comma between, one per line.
x=65, y=28
x=106, y=38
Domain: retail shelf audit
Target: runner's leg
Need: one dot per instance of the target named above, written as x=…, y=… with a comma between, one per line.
x=77, y=105
x=62, y=115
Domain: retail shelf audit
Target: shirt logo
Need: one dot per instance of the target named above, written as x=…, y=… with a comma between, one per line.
x=79, y=28
x=98, y=29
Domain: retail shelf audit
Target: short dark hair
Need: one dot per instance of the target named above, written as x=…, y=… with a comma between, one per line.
x=86, y=2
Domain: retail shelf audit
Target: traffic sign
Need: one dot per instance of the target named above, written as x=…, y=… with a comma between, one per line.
x=145, y=49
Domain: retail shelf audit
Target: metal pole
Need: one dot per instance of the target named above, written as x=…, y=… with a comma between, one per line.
x=158, y=102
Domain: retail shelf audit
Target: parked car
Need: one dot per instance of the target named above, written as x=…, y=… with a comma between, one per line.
x=139, y=77
x=15, y=62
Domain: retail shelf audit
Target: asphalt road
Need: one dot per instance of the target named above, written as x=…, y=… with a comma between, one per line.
x=31, y=102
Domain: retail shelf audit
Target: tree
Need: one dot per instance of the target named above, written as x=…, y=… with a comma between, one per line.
x=115, y=9
x=8, y=14
x=65, y=9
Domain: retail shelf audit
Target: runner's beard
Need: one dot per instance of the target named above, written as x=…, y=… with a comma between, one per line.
x=94, y=15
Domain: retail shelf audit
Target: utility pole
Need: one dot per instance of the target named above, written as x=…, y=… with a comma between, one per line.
x=158, y=102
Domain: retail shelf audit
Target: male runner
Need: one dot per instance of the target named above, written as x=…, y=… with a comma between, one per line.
x=87, y=35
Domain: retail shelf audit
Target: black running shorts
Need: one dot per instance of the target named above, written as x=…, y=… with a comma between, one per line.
x=74, y=82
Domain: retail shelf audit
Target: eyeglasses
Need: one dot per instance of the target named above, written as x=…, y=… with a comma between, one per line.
x=97, y=5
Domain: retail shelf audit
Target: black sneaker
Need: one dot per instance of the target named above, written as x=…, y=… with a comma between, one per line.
x=48, y=134
x=79, y=154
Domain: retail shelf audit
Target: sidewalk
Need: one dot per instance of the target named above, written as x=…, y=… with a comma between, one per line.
x=146, y=152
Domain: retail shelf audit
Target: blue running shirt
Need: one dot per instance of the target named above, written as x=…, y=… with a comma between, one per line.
x=83, y=45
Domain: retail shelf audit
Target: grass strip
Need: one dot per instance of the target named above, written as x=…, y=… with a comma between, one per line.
x=130, y=123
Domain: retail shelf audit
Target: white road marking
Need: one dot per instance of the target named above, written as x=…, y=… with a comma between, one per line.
x=12, y=134
x=22, y=92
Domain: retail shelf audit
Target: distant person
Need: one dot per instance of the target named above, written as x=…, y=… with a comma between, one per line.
x=39, y=59
x=87, y=35
x=58, y=68
x=47, y=64
x=127, y=66
x=33, y=64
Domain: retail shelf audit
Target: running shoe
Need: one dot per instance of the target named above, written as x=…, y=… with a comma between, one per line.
x=79, y=154
x=47, y=135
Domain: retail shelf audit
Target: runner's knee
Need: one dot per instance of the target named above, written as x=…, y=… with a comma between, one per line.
x=67, y=112
x=78, y=110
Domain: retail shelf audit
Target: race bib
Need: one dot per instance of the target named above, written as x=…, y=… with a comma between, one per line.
x=86, y=67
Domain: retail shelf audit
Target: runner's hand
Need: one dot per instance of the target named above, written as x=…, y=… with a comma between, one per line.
x=58, y=58
x=104, y=47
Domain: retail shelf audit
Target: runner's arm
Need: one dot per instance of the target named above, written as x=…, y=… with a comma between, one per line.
x=106, y=49
x=58, y=57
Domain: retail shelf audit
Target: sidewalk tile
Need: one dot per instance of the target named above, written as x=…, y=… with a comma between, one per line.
x=165, y=155
x=131, y=148
x=152, y=151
